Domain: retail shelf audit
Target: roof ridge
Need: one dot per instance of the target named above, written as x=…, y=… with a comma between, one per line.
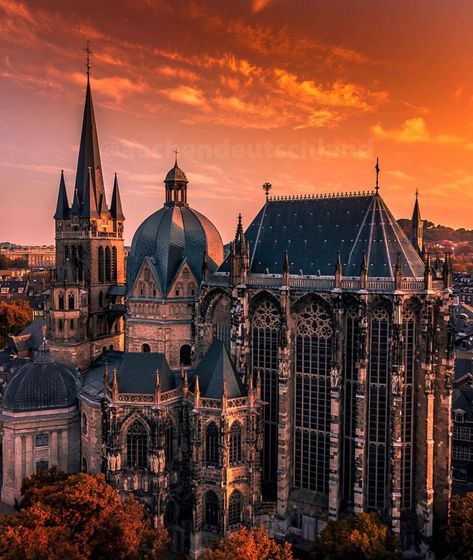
x=310, y=196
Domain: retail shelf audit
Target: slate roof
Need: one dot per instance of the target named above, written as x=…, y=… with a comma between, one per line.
x=215, y=367
x=314, y=229
x=136, y=372
x=171, y=235
x=463, y=399
x=176, y=175
x=41, y=384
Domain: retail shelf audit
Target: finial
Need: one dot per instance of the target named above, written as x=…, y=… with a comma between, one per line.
x=88, y=66
x=175, y=157
x=376, y=167
x=267, y=187
x=417, y=192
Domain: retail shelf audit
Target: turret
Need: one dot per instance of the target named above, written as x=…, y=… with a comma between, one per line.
x=285, y=269
x=416, y=233
x=398, y=273
x=363, y=273
x=239, y=256
x=116, y=211
x=338, y=271
x=62, y=206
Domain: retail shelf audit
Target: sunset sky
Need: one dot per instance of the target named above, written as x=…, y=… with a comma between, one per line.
x=303, y=94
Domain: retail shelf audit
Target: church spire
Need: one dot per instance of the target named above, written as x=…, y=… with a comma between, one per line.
x=116, y=210
x=62, y=207
x=417, y=227
x=89, y=204
x=89, y=154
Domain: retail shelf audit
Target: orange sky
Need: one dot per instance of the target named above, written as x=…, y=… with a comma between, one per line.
x=304, y=94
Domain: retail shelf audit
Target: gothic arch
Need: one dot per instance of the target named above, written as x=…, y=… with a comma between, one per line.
x=313, y=333
x=212, y=444
x=137, y=444
x=211, y=510
x=265, y=341
x=209, y=300
x=236, y=437
x=235, y=504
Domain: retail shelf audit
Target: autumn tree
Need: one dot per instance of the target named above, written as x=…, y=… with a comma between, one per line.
x=460, y=527
x=15, y=315
x=356, y=537
x=77, y=517
x=249, y=544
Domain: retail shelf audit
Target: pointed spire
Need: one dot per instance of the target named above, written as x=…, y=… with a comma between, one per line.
x=364, y=273
x=239, y=236
x=157, y=388
x=447, y=271
x=62, y=206
x=89, y=202
x=266, y=188
x=338, y=271
x=285, y=268
x=428, y=273
x=377, y=169
x=417, y=227
x=75, y=208
x=89, y=154
x=115, y=386
x=116, y=210
x=398, y=272
x=239, y=256
x=197, y=393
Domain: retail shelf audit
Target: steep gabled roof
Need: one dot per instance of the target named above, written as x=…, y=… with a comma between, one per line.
x=215, y=367
x=314, y=229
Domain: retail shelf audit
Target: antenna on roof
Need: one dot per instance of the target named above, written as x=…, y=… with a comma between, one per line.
x=376, y=167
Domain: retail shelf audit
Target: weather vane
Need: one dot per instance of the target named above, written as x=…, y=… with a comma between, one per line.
x=88, y=52
x=376, y=167
x=175, y=157
x=267, y=187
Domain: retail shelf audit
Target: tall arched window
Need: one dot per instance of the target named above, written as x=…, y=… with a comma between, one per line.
x=211, y=510
x=114, y=264
x=265, y=333
x=314, y=334
x=108, y=265
x=221, y=321
x=407, y=459
x=100, y=264
x=350, y=378
x=378, y=409
x=61, y=301
x=235, y=443
x=211, y=445
x=136, y=445
x=169, y=441
x=145, y=348
x=84, y=464
x=169, y=514
x=234, y=508
x=72, y=301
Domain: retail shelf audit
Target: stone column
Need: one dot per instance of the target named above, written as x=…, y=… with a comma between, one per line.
x=18, y=466
x=335, y=437
x=30, y=466
x=284, y=419
x=397, y=379
x=360, y=439
x=54, y=451
x=239, y=329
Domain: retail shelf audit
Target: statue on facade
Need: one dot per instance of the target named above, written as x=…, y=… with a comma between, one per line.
x=396, y=383
x=335, y=377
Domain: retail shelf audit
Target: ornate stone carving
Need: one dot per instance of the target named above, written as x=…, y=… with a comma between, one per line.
x=335, y=377
x=396, y=383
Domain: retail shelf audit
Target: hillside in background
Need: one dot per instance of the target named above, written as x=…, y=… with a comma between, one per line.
x=440, y=239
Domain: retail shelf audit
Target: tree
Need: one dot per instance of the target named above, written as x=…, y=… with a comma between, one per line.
x=15, y=315
x=356, y=537
x=460, y=527
x=77, y=517
x=249, y=544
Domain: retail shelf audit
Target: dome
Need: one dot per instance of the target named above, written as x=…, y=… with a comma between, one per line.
x=41, y=384
x=176, y=175
x=169, y=236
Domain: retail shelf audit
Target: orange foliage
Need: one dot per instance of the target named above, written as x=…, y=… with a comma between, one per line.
x=15, y=315
x=77, y=517
x=249, y=544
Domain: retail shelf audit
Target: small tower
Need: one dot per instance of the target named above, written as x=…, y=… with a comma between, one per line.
x=90, y=267
x=176, y=186
x=239, y=256
x=416, y=233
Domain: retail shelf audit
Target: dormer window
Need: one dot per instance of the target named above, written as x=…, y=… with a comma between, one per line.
x=459, y=416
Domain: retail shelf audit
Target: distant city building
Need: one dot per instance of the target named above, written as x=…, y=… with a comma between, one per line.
x=305, y=374
x=14, y=288
x=35, y=257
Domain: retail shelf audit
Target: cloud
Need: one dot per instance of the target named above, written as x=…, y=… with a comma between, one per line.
x=16, y=9
x=414, y=130
x=186, y=95
x=258, y=5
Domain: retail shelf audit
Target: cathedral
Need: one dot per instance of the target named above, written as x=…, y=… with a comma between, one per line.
x=302, y=374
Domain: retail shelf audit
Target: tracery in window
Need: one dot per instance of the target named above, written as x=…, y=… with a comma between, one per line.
x=235, y=443
x=314, y=333
x=211, y=445
x=136, y=445
x=234, y=508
